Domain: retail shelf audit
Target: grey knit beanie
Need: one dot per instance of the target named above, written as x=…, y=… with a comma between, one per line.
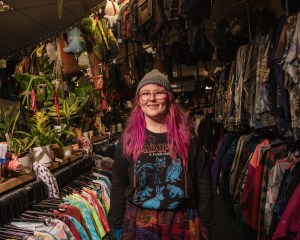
x=154, y=77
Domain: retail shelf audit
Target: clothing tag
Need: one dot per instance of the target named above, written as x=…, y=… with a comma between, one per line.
x=47, y=221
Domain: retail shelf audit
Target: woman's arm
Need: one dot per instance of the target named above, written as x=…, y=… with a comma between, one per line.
x=120, y=181
x=204, y=186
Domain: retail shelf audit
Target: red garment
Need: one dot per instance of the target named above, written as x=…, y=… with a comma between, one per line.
x=101, y=212
x=289, y=224
x=73, y=229
x=249, y=184
x=75, y=213
x=254, y=199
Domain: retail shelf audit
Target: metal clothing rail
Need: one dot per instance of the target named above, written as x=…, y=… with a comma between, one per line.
x=229, y=8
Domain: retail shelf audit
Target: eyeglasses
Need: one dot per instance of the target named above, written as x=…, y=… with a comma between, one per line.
x=158, y=95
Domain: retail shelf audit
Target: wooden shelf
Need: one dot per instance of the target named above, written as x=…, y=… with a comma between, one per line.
x=18, y=181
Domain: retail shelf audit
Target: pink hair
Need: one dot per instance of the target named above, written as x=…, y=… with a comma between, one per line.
x=178, y=125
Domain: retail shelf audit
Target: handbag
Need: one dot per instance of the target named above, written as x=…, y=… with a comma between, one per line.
x=144, y=11
x=113, y=44
x=101, y=48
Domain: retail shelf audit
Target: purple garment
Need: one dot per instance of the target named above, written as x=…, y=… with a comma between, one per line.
x=289, y=224
x=215, y=168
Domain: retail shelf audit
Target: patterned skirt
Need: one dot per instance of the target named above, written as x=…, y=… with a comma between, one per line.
x=142, y=224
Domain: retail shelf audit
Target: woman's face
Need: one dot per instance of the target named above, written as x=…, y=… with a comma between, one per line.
x=153, y=101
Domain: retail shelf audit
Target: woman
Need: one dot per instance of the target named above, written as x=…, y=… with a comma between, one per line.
x=161, y=183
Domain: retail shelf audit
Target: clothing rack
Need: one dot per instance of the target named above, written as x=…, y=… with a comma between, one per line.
x=16, y=201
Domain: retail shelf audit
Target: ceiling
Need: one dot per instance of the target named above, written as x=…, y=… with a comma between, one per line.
x=32, y=21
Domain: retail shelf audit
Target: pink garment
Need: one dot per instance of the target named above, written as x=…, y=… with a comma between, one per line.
x=289, y=225
x=254, y=162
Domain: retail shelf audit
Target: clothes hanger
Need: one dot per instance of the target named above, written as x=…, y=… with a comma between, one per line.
x=52, y=199
x=44, y=208
x=47, y=203
x=6, y=236
x=45, y=221
x=38, y=213
x=15, y=228
x=64, y=192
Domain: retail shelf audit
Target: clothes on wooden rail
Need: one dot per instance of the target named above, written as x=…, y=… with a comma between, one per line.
x=251, y=172
x=80, y=213
x=261, y=87
x=31, y=207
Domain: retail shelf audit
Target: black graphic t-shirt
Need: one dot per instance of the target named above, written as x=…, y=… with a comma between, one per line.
x=159, y=180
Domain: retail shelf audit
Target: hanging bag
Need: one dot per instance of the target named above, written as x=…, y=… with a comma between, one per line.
x=101, y=48
x=144, y=11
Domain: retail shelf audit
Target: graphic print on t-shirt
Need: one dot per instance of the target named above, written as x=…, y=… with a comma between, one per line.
x=159, y=179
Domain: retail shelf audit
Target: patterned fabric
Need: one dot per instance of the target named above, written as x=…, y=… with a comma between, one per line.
x=85, y=143
x=149, y=224
x=86, y=216
x=249, y=76
x=159, y=180
x=275, y=177
x=98, y=206
x=79, y=228
x=233, y=176
x=76, y=214
x=43, y=236
x=197, y=182
x=289, y=227
x=275, y=153
x=56, y=228
x=263, y=71
x=48, y=178
x=240, y=81
x=292, y=60
x=263, y=96
x=69, y=223
x=93, y=213
x=290, y=180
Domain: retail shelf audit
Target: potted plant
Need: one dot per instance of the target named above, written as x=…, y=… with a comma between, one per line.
x=45, y=135
x=70, y=110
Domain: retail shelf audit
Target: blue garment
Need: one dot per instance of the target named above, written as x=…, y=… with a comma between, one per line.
x=86, y=216
x=118, y=234
x=225, y=187
x=79, y=228
x=216, y=163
